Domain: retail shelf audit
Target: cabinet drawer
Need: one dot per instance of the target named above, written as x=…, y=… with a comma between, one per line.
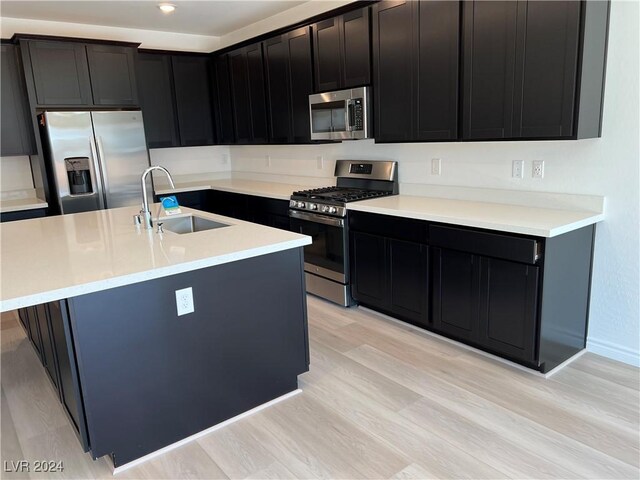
x=518, y=249
x=389, y=226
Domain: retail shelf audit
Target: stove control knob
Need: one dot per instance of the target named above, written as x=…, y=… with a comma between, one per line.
x=301, y=205
x=313, y=206
x=333, y=209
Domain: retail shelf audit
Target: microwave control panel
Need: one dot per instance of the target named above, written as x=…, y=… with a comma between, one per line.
x=358, y=114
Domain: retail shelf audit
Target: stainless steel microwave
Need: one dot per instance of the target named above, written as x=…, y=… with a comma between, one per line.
x=340, y=115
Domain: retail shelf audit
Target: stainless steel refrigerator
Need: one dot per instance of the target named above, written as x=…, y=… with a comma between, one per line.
x=95, y=158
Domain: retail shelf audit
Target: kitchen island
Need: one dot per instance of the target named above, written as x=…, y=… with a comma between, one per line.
x=97, y=297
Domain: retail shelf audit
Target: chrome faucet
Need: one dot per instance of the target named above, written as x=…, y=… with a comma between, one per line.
x=144, y=217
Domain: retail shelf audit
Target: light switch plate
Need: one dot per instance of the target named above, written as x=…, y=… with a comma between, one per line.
x=436, y=166
x=184, y=301
x=517, y=169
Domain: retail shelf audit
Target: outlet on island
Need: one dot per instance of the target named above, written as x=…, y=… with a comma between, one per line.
x=184, y=301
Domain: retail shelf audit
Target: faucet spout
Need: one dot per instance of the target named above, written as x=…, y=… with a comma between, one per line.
x=145, y=213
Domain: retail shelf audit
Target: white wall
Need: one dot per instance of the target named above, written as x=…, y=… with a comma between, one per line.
x=192, y=160
x=15, y=174
x=606, y=166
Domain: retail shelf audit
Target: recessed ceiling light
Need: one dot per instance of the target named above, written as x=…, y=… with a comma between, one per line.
x=166, y=7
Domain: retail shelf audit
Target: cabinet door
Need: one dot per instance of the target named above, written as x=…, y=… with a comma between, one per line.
x=17, y=129
x=437, y=71
x=546, y=69
x=489, y=52
x=328, y=54
x=257, y=94
x=369, y=275
x=508, y=308
x=276, y=54
x=34, y=330
x=393, y=70
x=48, y=356
x=222, y=100
x=240, y=94
x=113, y=75
x=155, y=86
x=301, y=83
x=355, y=48
x=408, y=280
x=69, y=384
x=23, y=315
x=456, y=282
x=193, y=100
x=60, y=73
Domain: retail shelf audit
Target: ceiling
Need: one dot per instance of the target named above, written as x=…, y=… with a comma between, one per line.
x=203, y=17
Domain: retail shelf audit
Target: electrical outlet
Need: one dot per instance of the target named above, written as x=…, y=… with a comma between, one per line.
x=268, y=160
x=225, y=159
x=319, y=162
x=184, y=301
x=538, y=169
x=436, y=166
x=517, y=169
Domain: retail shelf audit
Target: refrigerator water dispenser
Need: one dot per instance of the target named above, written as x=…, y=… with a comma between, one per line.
x=79, y=175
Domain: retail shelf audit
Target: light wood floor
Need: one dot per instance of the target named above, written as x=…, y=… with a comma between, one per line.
x=381, y=401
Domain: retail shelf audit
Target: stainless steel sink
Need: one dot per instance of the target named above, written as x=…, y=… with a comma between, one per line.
x=190, y=224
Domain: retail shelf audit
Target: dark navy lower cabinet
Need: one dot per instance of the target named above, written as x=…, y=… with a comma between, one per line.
x=69, y=388
x=520, y=297
x=388, y=273
x=455, y=278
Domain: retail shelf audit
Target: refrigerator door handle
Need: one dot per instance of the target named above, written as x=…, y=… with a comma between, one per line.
x=103, y=169
x=97, y=171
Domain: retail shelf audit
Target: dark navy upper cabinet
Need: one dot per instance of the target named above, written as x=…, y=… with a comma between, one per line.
x=113, y=75
x=16, y=127
x=60, y=73
x=157, y=99
x=78, y=74
x=289, y=72
x=342, y=51
x=248, y=91
x=523, y=75
x=193, y=99
x=222, y=97
x=415, y=70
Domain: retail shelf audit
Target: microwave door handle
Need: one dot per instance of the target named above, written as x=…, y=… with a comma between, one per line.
x=347, y=115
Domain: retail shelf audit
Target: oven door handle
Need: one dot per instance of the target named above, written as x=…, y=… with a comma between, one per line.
x=314, y=217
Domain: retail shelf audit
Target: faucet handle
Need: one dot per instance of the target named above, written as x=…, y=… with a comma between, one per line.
x=160, y=227
x=137, y=220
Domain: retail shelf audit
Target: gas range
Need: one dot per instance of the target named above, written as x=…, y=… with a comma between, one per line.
x=321, y=214
x=356, y=180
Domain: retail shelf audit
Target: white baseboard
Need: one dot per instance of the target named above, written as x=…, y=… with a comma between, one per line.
x=614, y=351
x=195, y=436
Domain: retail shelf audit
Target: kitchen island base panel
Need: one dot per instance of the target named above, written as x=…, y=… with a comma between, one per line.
x=150, y=378
x=173, y=446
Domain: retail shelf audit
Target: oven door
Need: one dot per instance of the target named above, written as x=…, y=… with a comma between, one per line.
x=326, y=256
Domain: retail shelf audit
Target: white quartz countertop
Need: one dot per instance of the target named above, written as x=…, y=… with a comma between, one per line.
x=281, y=191
x=542, y=222
x=58, y=257
x=18, y=204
